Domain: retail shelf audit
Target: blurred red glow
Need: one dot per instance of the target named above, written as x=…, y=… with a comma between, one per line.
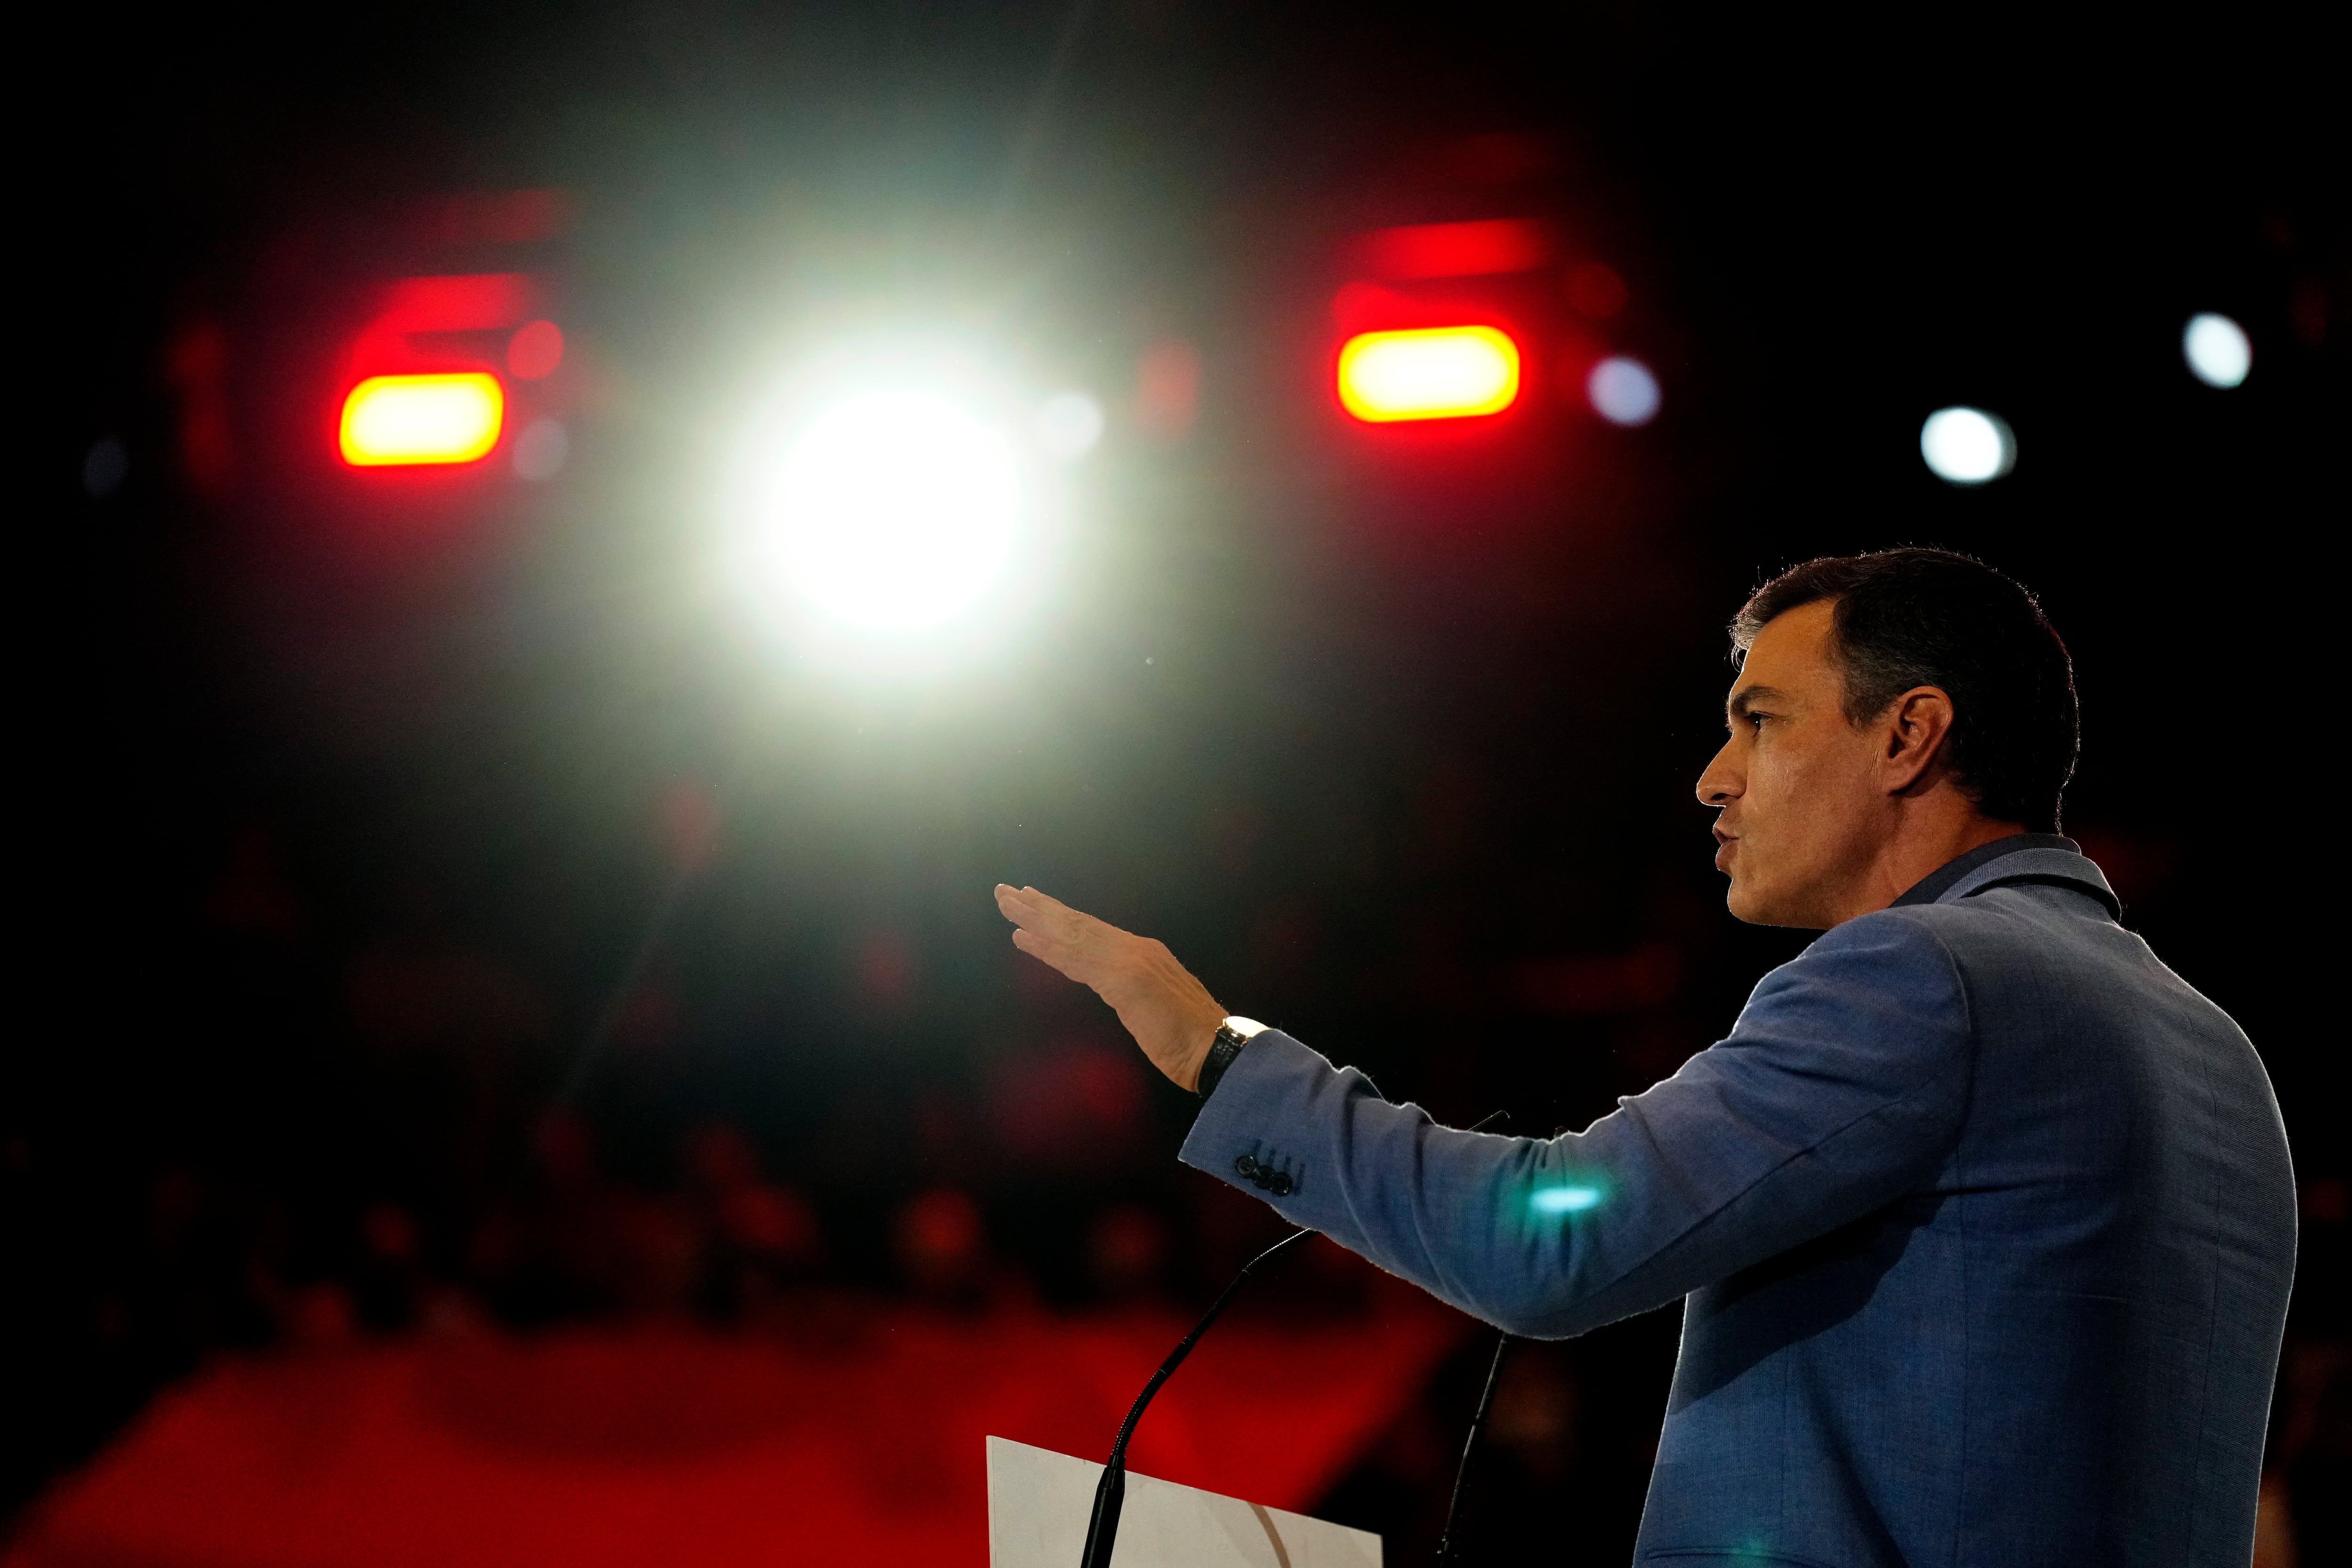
x=1596, y=291
x=859, y=1441
x=197, y=364
x=415, y=307
x=1455, y=249
x=1369, y=307
x=481, y=301
x=941, y=1244
x=1077, y=1104
x=535, y=350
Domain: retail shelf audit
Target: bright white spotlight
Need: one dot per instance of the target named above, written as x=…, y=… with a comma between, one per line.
x=2217, y=349
x=894, y=510
x=1068, y=425
x=1622, y=391
x=1966, y=446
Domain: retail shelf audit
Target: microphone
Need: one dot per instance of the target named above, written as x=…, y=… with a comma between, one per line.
x=1110, y=1492
x=1449, y=1546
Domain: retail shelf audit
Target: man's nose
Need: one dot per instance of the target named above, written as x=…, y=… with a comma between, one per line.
x=1720, y=783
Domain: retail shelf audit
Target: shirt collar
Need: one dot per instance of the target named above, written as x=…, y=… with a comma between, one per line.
x=2074, y=868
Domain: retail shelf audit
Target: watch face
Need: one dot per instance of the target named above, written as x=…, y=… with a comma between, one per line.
x=1243, y=1028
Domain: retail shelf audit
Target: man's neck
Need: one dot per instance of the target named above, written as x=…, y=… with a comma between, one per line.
x=1916, y=853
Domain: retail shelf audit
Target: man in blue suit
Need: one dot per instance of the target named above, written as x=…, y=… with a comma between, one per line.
x=1981, y=1216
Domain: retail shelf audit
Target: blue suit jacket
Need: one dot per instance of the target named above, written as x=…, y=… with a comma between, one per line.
x=1981, y=1216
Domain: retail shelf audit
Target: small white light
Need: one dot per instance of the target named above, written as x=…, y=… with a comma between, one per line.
x=1068, y=425
x=1622, y=391
x=893, y=510
x=2218, y=352
x=1966, y=446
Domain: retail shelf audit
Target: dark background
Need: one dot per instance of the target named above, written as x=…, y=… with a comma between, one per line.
x=353, y=846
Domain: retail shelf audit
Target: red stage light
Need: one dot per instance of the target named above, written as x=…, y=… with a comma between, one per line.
x=406, y=420
x=423, y=392
x=1436, y=373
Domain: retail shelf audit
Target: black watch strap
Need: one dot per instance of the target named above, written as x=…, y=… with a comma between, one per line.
x=1222, y=1052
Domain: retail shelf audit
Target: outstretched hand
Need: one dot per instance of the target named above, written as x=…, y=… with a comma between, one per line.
x=1171, y=1016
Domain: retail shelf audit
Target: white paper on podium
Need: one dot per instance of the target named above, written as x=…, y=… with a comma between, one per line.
x=1039, y=1502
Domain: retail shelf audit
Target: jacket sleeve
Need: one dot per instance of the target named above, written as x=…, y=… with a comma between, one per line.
x=1841, y=1085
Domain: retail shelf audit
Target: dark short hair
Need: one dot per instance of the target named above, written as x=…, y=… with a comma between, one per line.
x=1915, y=617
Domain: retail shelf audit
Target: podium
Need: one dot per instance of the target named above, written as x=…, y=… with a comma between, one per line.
x=1039, y=1502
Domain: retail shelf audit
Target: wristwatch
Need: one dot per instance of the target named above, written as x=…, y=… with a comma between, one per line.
x=1233, y=1034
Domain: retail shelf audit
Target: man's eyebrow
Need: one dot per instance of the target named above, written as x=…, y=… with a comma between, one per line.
x=1747, y=697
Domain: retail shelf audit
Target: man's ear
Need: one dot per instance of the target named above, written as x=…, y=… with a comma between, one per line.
x=1914, y=730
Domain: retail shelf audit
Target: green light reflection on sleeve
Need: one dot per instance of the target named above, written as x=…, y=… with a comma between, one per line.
x=1564, y=1200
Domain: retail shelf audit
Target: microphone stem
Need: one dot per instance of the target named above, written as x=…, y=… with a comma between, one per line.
x=1485, y=1399
x=1445, y=1542
x=1110, y=1492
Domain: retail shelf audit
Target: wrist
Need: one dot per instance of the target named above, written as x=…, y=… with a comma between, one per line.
x=1194, y=1038
x=1224, y=1045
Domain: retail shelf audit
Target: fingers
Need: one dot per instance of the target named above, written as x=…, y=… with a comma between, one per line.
x=1076, y=944
x=1051, y=953
x=1026, y=906
x=1030, y=918
x=1035, y=911
x=1041, y=921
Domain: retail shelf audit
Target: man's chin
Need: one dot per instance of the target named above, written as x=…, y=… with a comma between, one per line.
x=1756, y=905
x=1761, y=907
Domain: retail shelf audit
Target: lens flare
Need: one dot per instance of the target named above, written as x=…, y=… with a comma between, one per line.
x=1436, y=373
x=1623, y=391
x=535, y=350
x=401, y=420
